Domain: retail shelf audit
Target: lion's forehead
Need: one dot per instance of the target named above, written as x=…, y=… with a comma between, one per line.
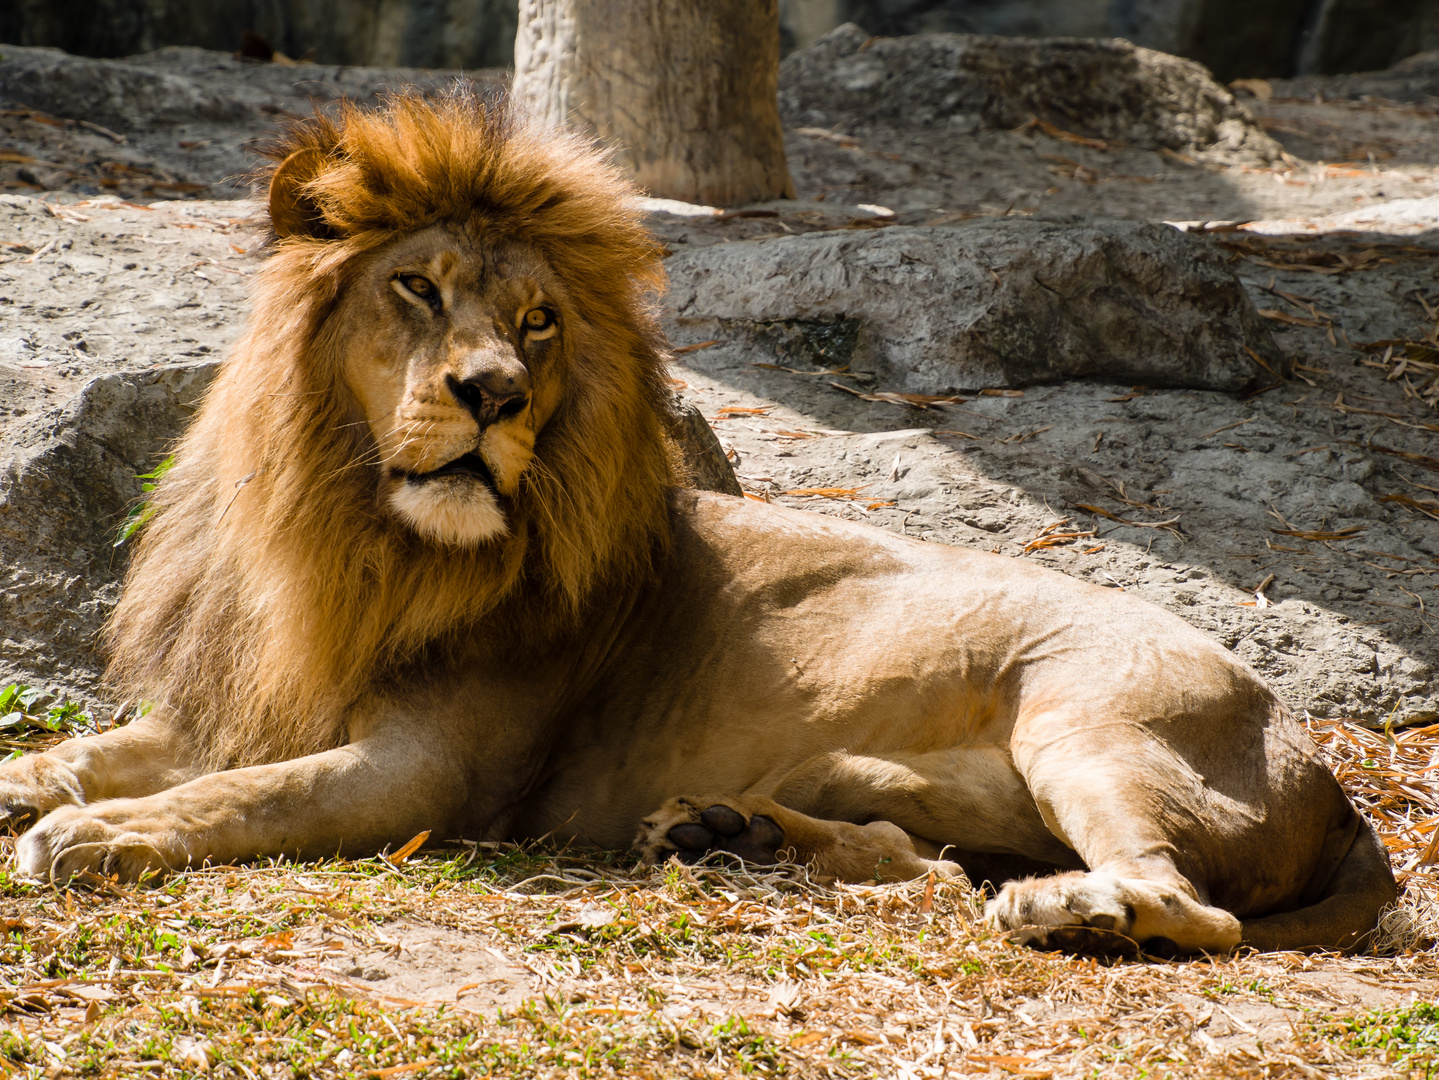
x=493, y=264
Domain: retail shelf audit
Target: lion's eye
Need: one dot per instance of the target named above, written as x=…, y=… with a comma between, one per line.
x=421, y=287
x=539, y=319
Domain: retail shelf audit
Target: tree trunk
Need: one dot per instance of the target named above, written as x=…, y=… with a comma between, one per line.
x=685, y=90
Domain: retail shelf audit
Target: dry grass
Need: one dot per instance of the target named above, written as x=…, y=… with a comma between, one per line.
x=565, y=964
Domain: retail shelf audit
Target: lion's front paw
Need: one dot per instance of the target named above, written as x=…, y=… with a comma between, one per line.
x=77, y=842
x=31, y=787
x=694, y=828
x=1078, y=912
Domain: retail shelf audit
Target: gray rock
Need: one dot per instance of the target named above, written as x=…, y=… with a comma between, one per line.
x=108, y=92
x=196, y=116
x=1414, y=80
x=65, y=491
x=989, y=303
x=1232, y=37
x=709, y=469
x=411, y=33
x=1364, y=35
x=1108, y=90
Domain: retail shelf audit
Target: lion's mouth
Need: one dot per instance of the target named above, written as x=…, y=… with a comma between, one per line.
x=470, y=465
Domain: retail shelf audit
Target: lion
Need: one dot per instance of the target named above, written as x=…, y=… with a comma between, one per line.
x=426, y=560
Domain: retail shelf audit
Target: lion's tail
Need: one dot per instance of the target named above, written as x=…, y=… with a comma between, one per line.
x=1347, y=912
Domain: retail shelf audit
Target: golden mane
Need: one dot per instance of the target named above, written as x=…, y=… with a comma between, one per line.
x=270, y=589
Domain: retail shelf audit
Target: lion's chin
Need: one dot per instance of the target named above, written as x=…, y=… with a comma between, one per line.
x=452, y=510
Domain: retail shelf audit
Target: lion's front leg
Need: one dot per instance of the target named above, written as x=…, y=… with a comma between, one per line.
x=357, y=799
x=759, y=830
x=137, y=759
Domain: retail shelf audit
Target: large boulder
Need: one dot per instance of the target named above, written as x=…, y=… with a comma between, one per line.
x=1414, y=80
x=118, y=95
x=988, y=303
x=67, y=482
x=1106, y=89
x=192, y=119
x=410, y=33
x=184, y=85
x=1231, y=37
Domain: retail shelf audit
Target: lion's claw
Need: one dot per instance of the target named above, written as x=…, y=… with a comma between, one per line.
x=33, y=786
x=74, y=842
x=18, y=816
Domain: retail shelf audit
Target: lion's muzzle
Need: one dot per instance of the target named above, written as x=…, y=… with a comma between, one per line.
x=496, y=392
x=469, y=466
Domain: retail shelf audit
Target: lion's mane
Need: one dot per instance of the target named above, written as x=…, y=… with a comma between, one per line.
x=270, y=589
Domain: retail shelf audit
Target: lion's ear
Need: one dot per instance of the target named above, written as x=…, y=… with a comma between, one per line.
x=292, y=211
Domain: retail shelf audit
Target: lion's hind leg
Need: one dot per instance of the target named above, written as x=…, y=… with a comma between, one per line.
x=759, y=830
x=1109, y=913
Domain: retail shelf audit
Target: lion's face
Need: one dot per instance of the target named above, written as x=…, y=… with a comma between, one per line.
x=454, y=356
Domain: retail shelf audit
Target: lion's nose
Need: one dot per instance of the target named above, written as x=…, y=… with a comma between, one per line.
x=492, y=395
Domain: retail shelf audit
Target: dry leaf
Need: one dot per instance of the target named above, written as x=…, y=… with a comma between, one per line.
x=1293, y=320
x=695, y=347
x=1347, y=533
x=196, y=1053
x=914, y=401
x=1017, y=439
x=1125, y=521
x=798, y=371
x=397, y=1070
x=1424, y=461
x=1048, y=537
x=827, y=492
x=1424, y=506
x=1065, y=136
x=783, y=996
x=409, y=849
x=1021, y=1066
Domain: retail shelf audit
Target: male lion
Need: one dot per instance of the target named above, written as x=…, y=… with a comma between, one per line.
x=424, y=562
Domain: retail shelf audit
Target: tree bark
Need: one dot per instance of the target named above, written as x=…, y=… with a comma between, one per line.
x=686, y=91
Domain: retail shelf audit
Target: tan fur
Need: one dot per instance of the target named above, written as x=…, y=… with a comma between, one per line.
x=421, y=564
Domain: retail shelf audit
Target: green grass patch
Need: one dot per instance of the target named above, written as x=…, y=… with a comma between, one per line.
x=1407, y=1036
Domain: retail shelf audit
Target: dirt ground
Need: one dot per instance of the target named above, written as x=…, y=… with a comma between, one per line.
x=1298, y=525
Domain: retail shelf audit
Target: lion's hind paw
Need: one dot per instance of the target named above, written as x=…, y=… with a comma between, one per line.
x=692, y=829
x=1079, y=912
x=1100, y=912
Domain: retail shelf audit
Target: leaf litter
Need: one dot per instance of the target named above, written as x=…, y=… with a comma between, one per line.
x=607, y=968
